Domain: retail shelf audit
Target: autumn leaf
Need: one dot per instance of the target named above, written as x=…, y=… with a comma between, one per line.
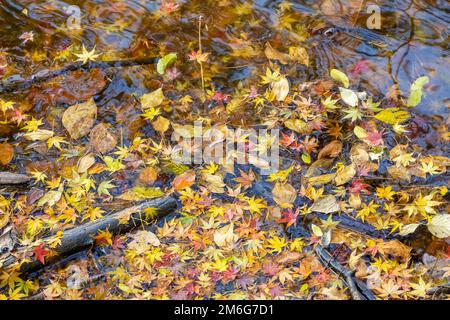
x=340, y=77
x=165, y=62
x=327, y=204
x=349, y=97
x=439, y=225
x=392, y=115
x=224, y=235
x=184, y=180
x=148, y=175
x=415, y=96
x=79, y=119
x=152, y=99
x=281, y=89
x=103, y=139
x=40, y=252
x=284, y=194
x=344, y=175
x=85, y=55
x=161, y=124
x=332, y=150
x=6, y=153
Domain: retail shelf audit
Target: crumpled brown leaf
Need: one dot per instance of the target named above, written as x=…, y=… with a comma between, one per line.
x=103, y=138
x=79, y=119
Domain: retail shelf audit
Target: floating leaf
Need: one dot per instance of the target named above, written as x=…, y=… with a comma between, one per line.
x=408, y=229
x=86, y=162
x=152, y=99
x=165, y=62
x=327, y=204
x=184, y=180
x=344, y=175
x=6, y=153
x=316, y=230
x=39, y=135
x=439, y=225
x=415, y=96
x=148, y=175
x=359, y=132
x=79, y=119
x=161, y=124
x=224, y=235
x=281, y=89
x=332, y=150
x=299, y=54
x=340, y=77
x=284, y=194
x=349, y=97
x=103, y=138
x=392, y=115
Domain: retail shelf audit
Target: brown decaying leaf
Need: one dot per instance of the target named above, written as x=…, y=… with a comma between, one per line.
x=103, y=138
x=6, y=153
x=79, y=119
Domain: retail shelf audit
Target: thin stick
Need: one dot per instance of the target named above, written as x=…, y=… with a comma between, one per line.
x=200, y=50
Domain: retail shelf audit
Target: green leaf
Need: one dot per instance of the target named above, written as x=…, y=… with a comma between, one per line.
x=349, y=97
x=165, y=62
x=103, y=188
x=392, y=115
x=340, y=76
x=361, y=133
x=415, y=95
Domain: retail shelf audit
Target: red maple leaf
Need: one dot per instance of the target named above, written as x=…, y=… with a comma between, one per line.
x=309, y=145
x=358, y=186
x=374, y=138
x=40, y=252
x=220, y=97
x=230, y=274
x=286, y=140
x=289, y=217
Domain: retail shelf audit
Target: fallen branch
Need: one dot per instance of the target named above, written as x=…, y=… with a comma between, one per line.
x=46, y=75
x=13, y=178
x=358, y=289
x=82, y=237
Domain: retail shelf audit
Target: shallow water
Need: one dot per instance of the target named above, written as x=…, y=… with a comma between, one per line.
x=414, y=37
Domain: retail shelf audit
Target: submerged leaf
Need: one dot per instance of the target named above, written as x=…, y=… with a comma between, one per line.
x=79, y=119
x=165, y=62
x=415, y=96
x=340, y=76
x=327, y=204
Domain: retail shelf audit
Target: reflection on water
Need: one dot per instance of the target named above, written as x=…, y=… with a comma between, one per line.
x=413, y=39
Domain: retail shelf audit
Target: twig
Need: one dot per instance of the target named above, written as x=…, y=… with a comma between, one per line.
x=200, y=51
